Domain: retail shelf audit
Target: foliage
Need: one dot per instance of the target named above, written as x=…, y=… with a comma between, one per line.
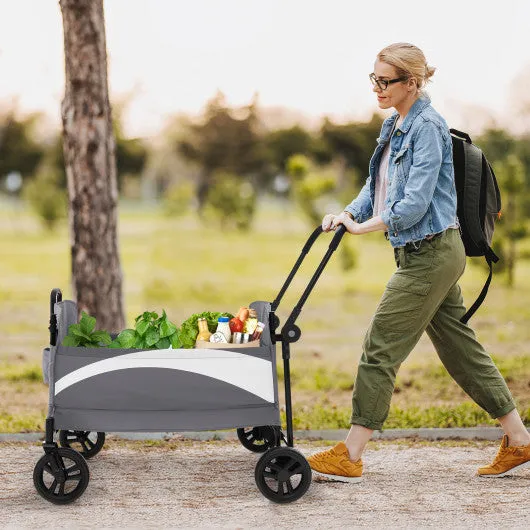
x=298, y=166
x=177, y=199
x=46, y=198
x=28, y=372
x=150, y=332
x=19, y=150
x=510, y=174
x=131, y=153
x=226, y=141
x=231, y=201
x=354, y=142
x=84, y=334
x=282, y=144
x=312, y=189
x=190, y=329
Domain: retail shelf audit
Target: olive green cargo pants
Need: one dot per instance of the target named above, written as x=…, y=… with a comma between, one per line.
x=423, y=295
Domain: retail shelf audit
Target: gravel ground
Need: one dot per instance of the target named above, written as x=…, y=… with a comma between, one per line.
x=211, y=484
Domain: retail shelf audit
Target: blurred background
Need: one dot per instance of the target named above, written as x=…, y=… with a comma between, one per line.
x=238, y=125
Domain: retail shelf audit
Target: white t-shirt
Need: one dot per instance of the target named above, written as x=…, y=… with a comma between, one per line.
x=381, y=181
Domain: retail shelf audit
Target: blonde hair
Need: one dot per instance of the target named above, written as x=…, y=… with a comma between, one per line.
x=409, y=61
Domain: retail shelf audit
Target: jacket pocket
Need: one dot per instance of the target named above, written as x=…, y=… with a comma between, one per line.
x=400, y=155
x=402, y=163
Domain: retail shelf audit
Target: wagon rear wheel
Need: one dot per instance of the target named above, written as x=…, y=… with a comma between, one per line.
x=259, y=439
x=88, y=443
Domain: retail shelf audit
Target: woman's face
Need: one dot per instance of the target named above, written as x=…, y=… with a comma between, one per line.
x=395, y=93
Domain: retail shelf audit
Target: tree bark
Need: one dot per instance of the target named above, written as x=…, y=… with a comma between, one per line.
x=89, y=152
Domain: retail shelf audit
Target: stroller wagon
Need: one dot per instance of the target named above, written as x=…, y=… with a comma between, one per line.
x=97, y=390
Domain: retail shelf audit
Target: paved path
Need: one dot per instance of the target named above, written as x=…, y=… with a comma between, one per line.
x=211, y=484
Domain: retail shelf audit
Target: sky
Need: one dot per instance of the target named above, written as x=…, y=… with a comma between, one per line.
x=313, y=56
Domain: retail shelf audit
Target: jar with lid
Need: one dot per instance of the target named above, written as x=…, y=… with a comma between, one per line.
x=204, y=332
x=223, y=326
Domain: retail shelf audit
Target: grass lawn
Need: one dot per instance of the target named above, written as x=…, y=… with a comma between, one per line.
x=185, y=267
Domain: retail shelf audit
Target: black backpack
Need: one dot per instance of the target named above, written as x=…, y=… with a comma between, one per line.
x=478, y=204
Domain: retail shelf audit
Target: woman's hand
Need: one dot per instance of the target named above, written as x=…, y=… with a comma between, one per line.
x=331, y=221
x=327, y=222
x=345, y=219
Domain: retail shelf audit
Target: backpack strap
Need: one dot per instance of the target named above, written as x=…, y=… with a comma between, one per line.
x=462, y=135
x=491, y=258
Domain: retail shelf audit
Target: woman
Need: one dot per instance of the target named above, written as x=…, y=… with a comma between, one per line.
x=410, y=195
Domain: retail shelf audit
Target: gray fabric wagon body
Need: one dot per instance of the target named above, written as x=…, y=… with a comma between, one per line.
x=104, y=389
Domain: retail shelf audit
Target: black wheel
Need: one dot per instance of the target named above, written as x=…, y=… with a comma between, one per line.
x=61, y=476
x=283, y=474
x=259, y=439
x=87, y=443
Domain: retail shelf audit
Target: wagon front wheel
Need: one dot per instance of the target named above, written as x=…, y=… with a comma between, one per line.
x=61, y=476
x=88, y=443
x=259, y=439
x=283, y=474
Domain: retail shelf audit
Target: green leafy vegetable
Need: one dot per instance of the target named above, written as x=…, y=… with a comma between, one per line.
x=151, y=332
x=190, y=329
x=83, y=334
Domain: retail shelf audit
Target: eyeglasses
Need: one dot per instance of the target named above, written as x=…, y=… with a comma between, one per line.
x=383, y=83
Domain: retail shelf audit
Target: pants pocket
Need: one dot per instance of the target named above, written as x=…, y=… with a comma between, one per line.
x=402, y=303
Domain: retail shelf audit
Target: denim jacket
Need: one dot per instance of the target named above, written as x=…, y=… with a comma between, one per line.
x=421, y=192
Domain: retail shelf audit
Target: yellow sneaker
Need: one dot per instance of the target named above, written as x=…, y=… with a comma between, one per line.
x=335, y=463
x=508, y=459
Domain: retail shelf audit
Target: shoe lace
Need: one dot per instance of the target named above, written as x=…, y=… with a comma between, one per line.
x=502, y=454
x=324, y=455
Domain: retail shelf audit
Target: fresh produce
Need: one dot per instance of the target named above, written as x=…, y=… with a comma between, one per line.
x=190, y=329
x=84, y=335
x=236, y=326
x=151, y=332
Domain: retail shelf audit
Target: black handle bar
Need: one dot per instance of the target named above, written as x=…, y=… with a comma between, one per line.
x=55, y=296
x=290, y=332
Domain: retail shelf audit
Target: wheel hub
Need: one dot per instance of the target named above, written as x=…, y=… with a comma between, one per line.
x=284, y=475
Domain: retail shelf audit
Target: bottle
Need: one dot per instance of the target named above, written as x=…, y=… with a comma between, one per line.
x=251, y=322
x=218, y=336
x=258, y=331
x=223, y=327
x=204, y=332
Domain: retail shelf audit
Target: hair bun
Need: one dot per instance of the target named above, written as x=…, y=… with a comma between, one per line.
x=429, y=71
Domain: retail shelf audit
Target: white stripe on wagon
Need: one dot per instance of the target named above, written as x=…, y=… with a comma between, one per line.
x=244, y=371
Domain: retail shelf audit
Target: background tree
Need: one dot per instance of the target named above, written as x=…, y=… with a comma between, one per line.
x=510, y=173
x=89, y=153
x=225, y=139
x=352, y=145
x=19, y=150
x=284, y=143
x=311, y=189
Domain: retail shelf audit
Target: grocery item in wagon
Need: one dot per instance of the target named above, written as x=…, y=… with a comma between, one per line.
x=204, y=332
x=258, y=331
x=251, y=322
x=237, y=324
x=218, y=336
x=223, y=327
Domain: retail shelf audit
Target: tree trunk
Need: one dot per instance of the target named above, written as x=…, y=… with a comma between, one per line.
x=89, y=152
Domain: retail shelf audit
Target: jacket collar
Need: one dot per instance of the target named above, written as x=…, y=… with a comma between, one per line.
x=422, y=102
